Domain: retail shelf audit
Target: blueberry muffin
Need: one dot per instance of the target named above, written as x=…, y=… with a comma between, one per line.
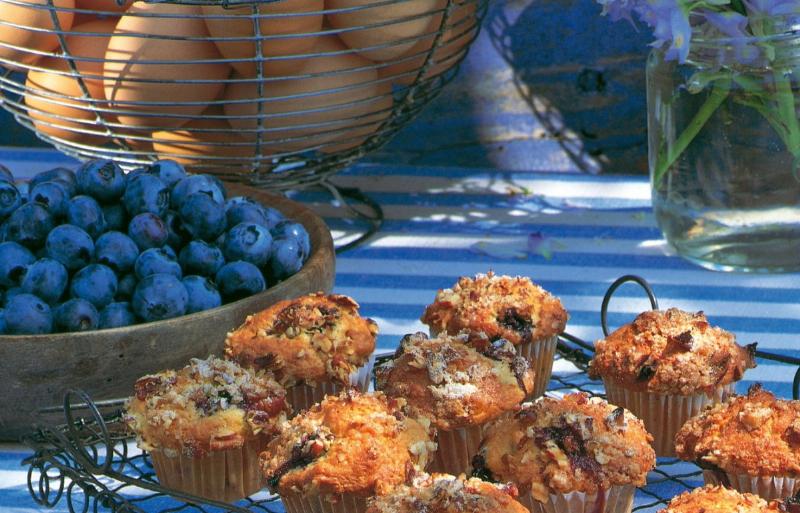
x=204, y=426
x=315, y=344
x=489, y=307
x=459, y=389
x=568, y=455
x=666, y=366
x=717, y=499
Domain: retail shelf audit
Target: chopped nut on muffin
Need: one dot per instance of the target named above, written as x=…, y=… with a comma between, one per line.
x=717, y=499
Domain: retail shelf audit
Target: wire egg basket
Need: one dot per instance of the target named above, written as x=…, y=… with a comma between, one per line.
x=275, y=93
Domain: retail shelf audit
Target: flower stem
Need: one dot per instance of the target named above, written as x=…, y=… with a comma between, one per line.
x=787, y=111
x=718, y=95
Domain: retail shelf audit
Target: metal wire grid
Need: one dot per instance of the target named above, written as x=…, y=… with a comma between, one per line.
x=274, y=146
x=71, y=462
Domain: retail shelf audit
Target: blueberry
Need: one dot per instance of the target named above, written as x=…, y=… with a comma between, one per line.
x=60, y=174
x=76, y=315
x=46, y=278
x=70, y=245
x=125, y=287
x=116, y=217
x=273, y=217
x=249, y=242
x=10, y=293
x=146, y=193
x=51, y=195
x=206, y=184
x=237, y=280
x=27, y=314
x=158, y=297
x=235, y=201
x=287, y=258
x=169, y=251
x=157, y=261
x=116, y=315
x=85, y=213
x=3, y=327
x=246, y=213
x=148, y=231
x=177, y=234
x=139, y=171
x=10, y=198
x=117, y=251
x=169, y=171
x=203, y=294
x=5, y=174
x=14, y=261
x=101, y=179
x=202, y=217
x=29, y=225
x=200, y=257
x=289, y=229
x=96, y=283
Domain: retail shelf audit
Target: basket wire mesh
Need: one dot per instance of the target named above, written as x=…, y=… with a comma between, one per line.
x=92, y=464
x=280, y=102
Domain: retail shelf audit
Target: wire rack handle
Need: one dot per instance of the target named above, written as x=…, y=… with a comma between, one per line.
x=628, y=278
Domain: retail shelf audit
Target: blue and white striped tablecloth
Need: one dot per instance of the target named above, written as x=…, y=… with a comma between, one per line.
x=573, y=234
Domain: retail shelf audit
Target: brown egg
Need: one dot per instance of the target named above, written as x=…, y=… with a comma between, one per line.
x=103, y=6
x=335, y=115
x=392, y=34
x=242, y=26
x=46, y=108
x=151, y=69
x=84, y=49
x=36, y=18
x=461, y=28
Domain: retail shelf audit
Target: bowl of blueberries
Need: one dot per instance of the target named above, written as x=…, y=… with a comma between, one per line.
x=106, y=276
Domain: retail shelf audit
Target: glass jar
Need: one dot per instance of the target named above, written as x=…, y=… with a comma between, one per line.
x=724, y=150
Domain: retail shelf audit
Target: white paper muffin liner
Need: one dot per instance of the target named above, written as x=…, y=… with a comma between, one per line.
x=345, y=503
x=226, y=476
x=663, y=415
x=302, y=397
x=456, y=449
x=618, y=499
x=767, y=487
x=540, y=355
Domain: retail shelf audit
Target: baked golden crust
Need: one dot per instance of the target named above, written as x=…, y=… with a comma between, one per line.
x=717, y=499
x=573, y=444
x=754, y=434
x=441, y=493
x=353, y=443
x=498, y=306
x=209, y=405
x=310, y=339
x=453, y=384
x=671, y=352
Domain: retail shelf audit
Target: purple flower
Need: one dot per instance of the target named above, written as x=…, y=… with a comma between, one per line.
x=772, y=7
x=734, y=26
x=617, y=9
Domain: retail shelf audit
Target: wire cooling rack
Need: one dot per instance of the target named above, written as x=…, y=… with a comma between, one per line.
x=91, y=464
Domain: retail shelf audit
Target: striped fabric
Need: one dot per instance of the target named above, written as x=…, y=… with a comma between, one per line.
x=572, y=234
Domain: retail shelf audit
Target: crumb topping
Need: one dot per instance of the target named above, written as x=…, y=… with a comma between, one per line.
x=573, y=444
x=671, y=352
x=208, y=405
x=440, y=493
x=350, y=443
x=514, y=309
x=755, y=434
x=310, y=339
x=453, y=384
x=717, y=499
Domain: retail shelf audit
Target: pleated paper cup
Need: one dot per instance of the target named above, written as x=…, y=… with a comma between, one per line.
x=540, y=355
x=302, y=397
x=767, y=487
x=663, y=415
x=456, y=449
x=618, y=499
x=344, y=503
x=225, y=476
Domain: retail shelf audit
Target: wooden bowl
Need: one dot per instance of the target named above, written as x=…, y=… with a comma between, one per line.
x=36, y=370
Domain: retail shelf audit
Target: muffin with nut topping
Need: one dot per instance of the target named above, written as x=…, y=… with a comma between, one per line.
x=441, y=493
x=489, y=307
x=316, y=344
x=335, y=455
x=749, y=442
x=204, y=426
x=458, y=388
x=666, y=366
x=718, y=499
x=569, y=455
